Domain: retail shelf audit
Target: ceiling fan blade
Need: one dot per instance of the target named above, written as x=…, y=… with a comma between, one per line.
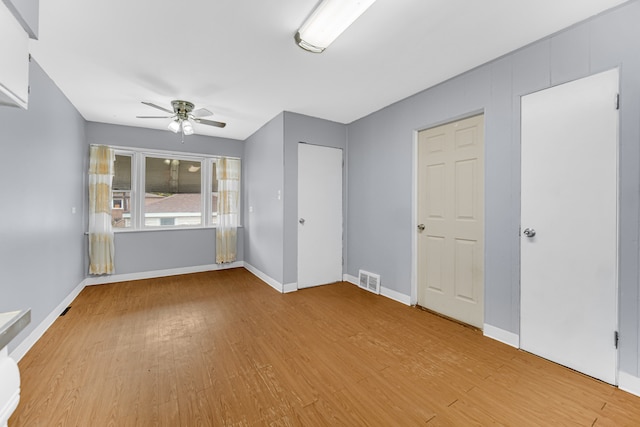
x=201, y=112
x=150, y=104
x=209, y=122
x=154, y=117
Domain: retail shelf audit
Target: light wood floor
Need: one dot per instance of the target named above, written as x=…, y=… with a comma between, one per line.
x=224, y=349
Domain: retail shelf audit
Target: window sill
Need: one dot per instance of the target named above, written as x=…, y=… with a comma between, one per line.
x=145, y=230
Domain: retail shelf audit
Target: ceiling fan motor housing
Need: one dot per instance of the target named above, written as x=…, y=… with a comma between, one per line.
x=182, y=108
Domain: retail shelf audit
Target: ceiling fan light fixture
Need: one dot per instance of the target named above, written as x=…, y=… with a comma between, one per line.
x=174, y=126
x=187, y=127
x=329, y=19
x=183, y=116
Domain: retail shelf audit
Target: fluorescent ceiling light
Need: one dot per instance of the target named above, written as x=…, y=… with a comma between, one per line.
x=328, y=21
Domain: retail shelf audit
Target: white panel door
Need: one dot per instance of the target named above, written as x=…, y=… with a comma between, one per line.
x=451, y=220
x=319, y=215
x=569, y=198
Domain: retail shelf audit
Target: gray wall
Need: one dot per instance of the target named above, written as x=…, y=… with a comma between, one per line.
x=167, y=249
x=271, y=165
x=128, y=136
x=380, y=159
x=42, y=243
x=263, y=174
x=300, y=128
x=150, y=250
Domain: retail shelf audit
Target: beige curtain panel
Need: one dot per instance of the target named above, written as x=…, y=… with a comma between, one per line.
x=101, y=248
x=228, y=171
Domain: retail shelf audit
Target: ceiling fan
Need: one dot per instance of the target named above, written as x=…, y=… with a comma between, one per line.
x=183, y=114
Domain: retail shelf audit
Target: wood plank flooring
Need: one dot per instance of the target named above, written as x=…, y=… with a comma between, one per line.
x=224, y=349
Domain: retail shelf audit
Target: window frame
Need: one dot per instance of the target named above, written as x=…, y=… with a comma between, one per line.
x=137, y=194
x=118, y=206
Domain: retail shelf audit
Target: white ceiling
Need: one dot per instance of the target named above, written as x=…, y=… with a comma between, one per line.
x=238, y=58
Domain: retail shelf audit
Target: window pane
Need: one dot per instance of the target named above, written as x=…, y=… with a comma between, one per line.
x=121, y=192
x=172, y=192
x=122, y=176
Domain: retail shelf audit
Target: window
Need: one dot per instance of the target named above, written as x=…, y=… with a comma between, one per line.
x=121, y=192
x=172, y=188
x=154, y=189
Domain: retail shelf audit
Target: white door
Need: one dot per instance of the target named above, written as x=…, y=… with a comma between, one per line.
x=451, y=220
x=319, y=215
x=569, y=198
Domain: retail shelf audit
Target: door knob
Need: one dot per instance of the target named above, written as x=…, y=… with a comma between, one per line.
x=420, y=227
x=301, y=221
x=529, y=232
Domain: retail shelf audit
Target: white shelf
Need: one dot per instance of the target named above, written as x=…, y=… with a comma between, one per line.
x=14, y=55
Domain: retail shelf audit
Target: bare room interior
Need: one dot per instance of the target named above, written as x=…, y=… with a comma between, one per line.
x=320, y=212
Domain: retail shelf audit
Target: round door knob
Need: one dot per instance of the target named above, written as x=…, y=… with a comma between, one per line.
x=301, y=221
x=420, y=227
x=529, y=232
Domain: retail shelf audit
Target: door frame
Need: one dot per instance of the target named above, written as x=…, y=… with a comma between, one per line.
x=415, y=196
x=617, y=227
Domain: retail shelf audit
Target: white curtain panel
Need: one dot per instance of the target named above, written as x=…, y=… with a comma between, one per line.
x=101, y=248
x=228, y=172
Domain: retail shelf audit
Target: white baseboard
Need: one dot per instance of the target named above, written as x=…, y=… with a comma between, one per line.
x=289, y=287
x=501, y=335
x=351, y=279
x=395, y=295
x=22, y=348
x=265, y=278
x=385, y=292
x=101, y=280
x=629, y=383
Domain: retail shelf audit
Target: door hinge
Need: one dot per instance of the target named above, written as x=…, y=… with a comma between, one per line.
x=617, y=101
x=616, y=338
